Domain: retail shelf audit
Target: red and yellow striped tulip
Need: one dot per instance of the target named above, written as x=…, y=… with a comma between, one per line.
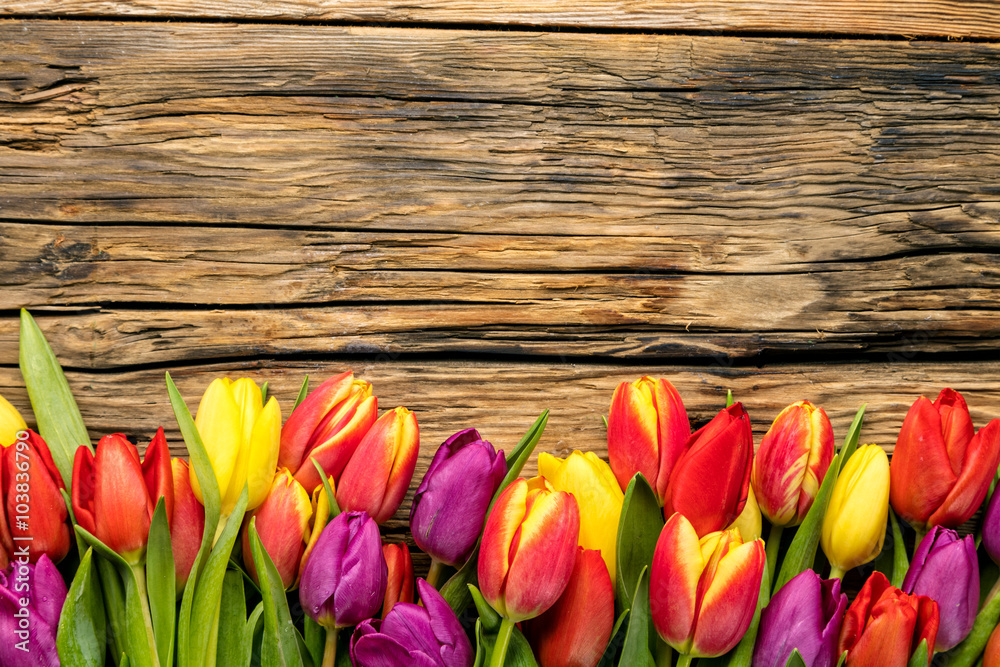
x=328, y=425
x=188, y=523
x=400, y=583
x=791, y=461
x=709, y=484
x=283, y=526
x=528, y=548
x=703, y=592
x=648, y=430
x=379, y=473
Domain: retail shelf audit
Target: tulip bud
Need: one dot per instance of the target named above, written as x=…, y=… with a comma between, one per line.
x=528, y=548
x=884, y=626
x=450, y=504
x=703, y=593
x=940, y=471
x=575, y=631
x=854, y=525
x=110, y=497
x=597, y=494
x=400, y=583
x=188, y=524
x=413, y=635
x=28, y=468
x=648, y=430
x=31, y=599
x=379, y=473
x=241, y=437
x=344, y=579
x=791, y=461
x=710, y=481
x=11, y=423
x=283, y=525
x=805, y=614
x=327, y=425
x=946, y=569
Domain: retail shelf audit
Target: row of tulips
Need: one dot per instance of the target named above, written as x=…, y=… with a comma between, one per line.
x=264, y=545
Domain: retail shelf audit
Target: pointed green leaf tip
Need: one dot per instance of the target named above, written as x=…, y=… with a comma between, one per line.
x=56, y=411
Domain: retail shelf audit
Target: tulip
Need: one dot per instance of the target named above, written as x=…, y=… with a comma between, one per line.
x=320, y=517
x=991, y=528
x=791, y=461
x=703, y=592
x=327, y=425
x=32, y=593
x=450, y=504
x=188, y=523
x=426, y=636
x=991, y=656
x=884, y=625
x=400, y=583
x=41, y=528
x=345, y=578
x=854, y=525
x=946, y=569
x=940, y=471
x=648, y=430
x=597, y=494
x=528, y=548
x=112, y=497
x=806, y=615
x=379, y=473
x=241, y=436
x=575, y=631
x=710, y=481
x=749, y=522
x=11, y=423
x=282, y=523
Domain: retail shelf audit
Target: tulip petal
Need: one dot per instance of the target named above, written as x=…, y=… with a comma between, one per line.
x=729, y=603
x=502, y=525
x=921, y=474
x=673, y=584
x=283, y=526
x=188, y=524
x=45, y=526
x=121, y=502
x=263, y=453
x=219, y=424
x=342, y=440
x=956, y=426
x=307, y=415
x=633, y=433
x=969, y=491
x=157, y=475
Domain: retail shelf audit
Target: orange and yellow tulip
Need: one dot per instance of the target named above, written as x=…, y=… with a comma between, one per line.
x=282, y=523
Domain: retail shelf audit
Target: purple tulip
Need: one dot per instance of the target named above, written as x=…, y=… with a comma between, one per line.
x=806, y=615
x=344, y=580
x=427, y=636
x=945, y=568
x=31, y=597
x=991, y=528
x=450, y=505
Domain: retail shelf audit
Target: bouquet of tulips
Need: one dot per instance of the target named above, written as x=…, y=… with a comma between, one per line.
x=265, y=545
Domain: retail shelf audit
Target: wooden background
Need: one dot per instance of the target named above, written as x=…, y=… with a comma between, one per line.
x=490, y=211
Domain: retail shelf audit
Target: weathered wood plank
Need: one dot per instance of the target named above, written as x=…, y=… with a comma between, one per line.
x=949, y=18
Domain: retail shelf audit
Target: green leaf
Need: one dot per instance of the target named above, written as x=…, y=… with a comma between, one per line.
x=253, y=630
x=303, y=392
x=263, y=393
x=103, y=549
x=137, y=634
x=796, y=659
x=331, y=498
x=160, y=585
x=234, y=645
x=124, y=662
x=617, y=639
x=900, y=562
x=315, y=638
x=729, y=398
x=919, y=657
x=742, y=655
x=113, y=592
x=82, y=633
x=842, y=659
x=802, y=551
x=968, y=651
x=56, y=411
x=639, y=527
x=635, y=651
x=489, y=617
x=519, y=653
x=280, y=645
x=455, y=591
x=605, y=422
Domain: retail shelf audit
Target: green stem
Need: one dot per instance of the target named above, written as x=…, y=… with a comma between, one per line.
x=434, y=573
x=836, y=572
x=139, y=572
x=967, y=653
x=503, y=639
x=330, y=648
x=213, y=638
x=684, y=660
x=664, y=654
x=771, y=548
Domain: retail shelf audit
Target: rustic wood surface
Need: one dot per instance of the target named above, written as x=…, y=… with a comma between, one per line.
x=488, y=222
x=915, y=18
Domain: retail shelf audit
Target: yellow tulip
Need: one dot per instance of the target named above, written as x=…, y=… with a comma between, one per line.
x=749, y=522
x=10, y=423
x=854, y=525
x=241, y=436
x=598, y=496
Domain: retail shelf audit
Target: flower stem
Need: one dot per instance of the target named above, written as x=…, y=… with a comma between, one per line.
x=684, y=660
x=503, y=639
x=771, y=547
x=139, y=573
x=434, y=573
x=836, y=572
x=663, y=654
x=967, y=653
x=330, y=648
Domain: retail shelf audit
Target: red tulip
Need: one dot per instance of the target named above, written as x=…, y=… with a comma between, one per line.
x=379, y=473
x=283, y=526
x=188, y=523
x=709, y=484
x=884, y=625
x=940, y=472
x=31, y=505
x=648, y=430
x=575, y=631
x=400, y=585
x=111, y=499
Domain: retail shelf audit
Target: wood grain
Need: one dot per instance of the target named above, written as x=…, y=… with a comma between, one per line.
x=917, y=18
